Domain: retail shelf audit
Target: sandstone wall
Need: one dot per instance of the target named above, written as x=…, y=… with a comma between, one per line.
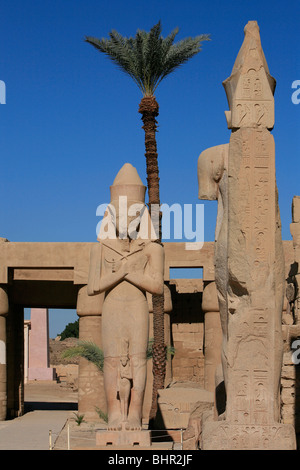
x=187, y=323
x=290, y=378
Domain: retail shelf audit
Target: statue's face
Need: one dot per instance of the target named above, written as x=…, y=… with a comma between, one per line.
x=124, y=360
x=126, y=218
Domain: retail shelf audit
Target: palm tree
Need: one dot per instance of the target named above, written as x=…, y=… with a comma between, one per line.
x=148, y=58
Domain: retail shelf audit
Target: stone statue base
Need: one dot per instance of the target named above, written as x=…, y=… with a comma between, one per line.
x=222, y=435
x=123, y=438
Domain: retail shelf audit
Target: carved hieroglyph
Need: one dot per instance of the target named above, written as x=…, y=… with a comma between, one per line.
x=126, y=266
x=251, y=282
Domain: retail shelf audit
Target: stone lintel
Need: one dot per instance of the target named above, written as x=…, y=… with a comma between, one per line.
x=178, y=255
x=26, y=258
x=43, y=274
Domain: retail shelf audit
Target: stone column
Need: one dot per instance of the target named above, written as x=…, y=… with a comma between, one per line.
x=15, y=361
x=254, y=283
x=39, y=346
x=3, y=372
x=91, y=393
x=212, y=335
x=26, y=349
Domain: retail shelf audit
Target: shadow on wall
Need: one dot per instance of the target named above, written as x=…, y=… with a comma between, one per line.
x=49, y=406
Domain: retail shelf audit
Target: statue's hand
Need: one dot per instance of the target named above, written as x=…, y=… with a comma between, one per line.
x=124, y=269
x=137, y=264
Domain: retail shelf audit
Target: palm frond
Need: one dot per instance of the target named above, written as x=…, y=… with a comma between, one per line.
x=102, y=415
x=148, y=57
x=88, y=350
x=181, y=52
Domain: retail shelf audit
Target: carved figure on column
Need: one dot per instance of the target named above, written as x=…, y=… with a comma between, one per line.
x=212, y=174
x=126, y=265
x=249, y=263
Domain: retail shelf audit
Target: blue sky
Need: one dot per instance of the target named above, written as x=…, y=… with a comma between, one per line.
x=71, y=117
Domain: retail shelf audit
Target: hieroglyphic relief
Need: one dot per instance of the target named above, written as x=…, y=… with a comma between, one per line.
x=254, y=182
x=250, y=393
x=249, y=437
x=252, y=105
x=252, y=283
x=256, y=176
x=246, y=113
x=252, y=87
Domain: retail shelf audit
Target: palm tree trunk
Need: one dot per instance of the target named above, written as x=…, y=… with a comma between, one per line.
x=149, y=110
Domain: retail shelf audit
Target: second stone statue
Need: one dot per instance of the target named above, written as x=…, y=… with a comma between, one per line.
x=128, y=266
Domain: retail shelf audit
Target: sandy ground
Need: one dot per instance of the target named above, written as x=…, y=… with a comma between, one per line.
x=50, y=421
x=47, y=408
x=52, y=397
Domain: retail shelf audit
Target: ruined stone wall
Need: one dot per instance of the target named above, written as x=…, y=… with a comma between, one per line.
x=290, y=377
x=290, y=392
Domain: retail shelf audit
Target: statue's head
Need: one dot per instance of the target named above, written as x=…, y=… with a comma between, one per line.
x=127, y=215
x=128, y=183
x=211, y=164
x=127, y=200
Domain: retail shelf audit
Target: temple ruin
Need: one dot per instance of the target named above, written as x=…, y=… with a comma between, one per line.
x=232, y=383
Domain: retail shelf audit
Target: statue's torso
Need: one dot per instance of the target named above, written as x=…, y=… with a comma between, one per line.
x=114, y=254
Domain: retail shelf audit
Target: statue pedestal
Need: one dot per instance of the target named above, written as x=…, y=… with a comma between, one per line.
x=222, y=435
x=123, y=438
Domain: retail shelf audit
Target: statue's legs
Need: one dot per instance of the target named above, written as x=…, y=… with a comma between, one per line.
x=110, y=371
x=125, y=318
x=124, y=394
x=138, y=343
x=139, y=369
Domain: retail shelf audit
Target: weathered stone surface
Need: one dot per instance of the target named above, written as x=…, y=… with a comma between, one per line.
x=123, y=438
x=124, y=267
x=191, y=435
x=290, y=405
x=67, y=375
x=212, y=335
x=177, y=403
x=227, y=436
x=249, y=265
x=293, y=287
x=90, y=379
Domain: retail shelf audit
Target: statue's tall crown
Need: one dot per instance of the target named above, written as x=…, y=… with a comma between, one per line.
x=250, y=87
x=128, y=183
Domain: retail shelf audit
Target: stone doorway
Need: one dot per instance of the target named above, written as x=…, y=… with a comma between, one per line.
x=50, y=382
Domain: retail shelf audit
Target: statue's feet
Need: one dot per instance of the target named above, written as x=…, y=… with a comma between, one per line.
x=133, y=424
x=114, y=423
